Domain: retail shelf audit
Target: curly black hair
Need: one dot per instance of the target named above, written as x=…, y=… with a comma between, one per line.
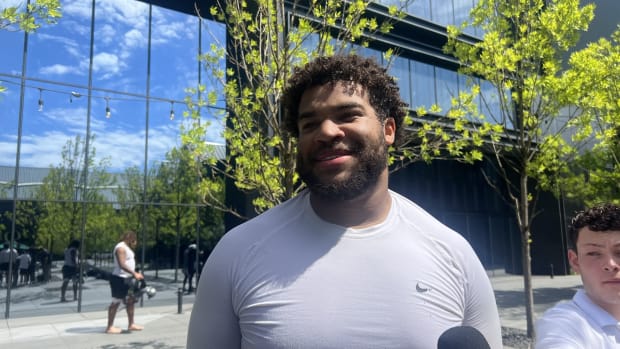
x=600, y=218
x=384, y=94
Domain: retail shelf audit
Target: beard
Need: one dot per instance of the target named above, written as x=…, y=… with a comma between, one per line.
x=372, y=160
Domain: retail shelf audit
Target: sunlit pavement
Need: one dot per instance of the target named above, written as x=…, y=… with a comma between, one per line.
x=39, y=320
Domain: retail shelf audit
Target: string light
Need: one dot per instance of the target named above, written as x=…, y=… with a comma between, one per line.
x=107, y=107
x=108, y=111
x=40, y=100
x=74, y=94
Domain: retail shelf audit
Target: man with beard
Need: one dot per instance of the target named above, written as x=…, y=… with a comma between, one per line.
x=347, y=263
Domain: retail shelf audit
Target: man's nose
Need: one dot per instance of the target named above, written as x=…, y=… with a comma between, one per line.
x=329, y=131
x=612, y=264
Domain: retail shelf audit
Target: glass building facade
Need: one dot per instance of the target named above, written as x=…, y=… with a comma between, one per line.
x=109, y=81
x=92, y=104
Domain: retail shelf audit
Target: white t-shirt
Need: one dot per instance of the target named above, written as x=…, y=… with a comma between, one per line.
x=129, y=260
x=577, y=324
x=288, y=279
x=71, y=256
x=24, y=260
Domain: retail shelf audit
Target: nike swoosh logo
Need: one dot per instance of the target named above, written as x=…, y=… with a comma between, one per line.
x=421, y=289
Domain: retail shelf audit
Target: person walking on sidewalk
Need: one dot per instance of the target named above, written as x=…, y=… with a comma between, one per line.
x=189, y=266
x=347, y=263
x=70, y=269
x=24, y=260
x=590, y=319
x=121, y=280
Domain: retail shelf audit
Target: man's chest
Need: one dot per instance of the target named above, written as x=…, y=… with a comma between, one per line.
x=345, y=302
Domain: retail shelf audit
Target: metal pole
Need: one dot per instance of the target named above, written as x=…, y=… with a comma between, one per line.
x=180, y=300
x=86, y=151
x=198, y=249
x=146, y=147
x=20, y=125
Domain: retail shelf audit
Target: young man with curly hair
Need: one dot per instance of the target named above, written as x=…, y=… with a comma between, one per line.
x=591, y=318
x=347, y=263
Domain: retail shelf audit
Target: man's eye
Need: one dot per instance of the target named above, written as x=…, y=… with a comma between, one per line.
x=306, y=126
x=349, y=117
x=593, y=253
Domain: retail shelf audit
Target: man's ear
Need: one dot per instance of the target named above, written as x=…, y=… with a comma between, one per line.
x=389, y=130
x=573, y=259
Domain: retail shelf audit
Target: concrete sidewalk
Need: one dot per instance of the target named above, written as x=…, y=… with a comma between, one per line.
x=40, y=321
x=164, y=328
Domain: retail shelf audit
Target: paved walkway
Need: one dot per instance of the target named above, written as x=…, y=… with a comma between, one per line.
x=39, y=320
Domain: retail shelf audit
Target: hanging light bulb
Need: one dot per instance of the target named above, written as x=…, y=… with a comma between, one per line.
x=171, y=110
x=40, y=100
x=107, y=107
x=74, y=94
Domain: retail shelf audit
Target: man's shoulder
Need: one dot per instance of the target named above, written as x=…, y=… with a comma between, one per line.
x=566, y=325
x=273, y=217
x=273, y=221
x=565, y=314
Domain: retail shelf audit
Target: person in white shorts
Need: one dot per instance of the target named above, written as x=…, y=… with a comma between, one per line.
x=120, y=281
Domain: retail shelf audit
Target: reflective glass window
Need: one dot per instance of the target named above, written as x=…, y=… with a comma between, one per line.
x=447, y=87
x=10, y=70
x=461, y=14
x=423, y=81
x=399, y=68
x=441, y=12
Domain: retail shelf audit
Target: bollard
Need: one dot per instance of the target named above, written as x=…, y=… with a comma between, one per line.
x=551, y=269
x=180, y=301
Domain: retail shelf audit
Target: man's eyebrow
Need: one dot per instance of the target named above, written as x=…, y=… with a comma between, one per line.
x=338, y=108
x=593, y=244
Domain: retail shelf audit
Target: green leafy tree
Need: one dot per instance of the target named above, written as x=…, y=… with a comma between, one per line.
x=265, y=42
x=29, y=17
x=594, y=175
x=520, y=56
x=26, y=222
x=176, y=184
x=65, y=194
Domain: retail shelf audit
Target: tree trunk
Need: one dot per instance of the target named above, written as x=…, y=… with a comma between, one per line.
x=524, y=222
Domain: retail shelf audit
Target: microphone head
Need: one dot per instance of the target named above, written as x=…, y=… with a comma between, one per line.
x=462, y=337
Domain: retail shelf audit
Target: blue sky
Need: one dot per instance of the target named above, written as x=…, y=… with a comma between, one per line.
x=61, y=53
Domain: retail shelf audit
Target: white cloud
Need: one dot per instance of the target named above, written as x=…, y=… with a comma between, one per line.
x=132, y=13
x=12, y=3
x=166, y=29
x=106, y=64
x=106, y=34
x=73, y=119
x=43, y=150
x=123, y=149
x=57, y=69
x=67, y=43
x=134, y=38
x=77, y=8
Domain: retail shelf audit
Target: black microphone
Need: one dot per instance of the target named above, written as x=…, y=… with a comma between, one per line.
x=462, y=337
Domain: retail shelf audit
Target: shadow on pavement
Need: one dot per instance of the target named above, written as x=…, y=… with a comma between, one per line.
x=147, y=344
x=87, y=329
x=542, y=296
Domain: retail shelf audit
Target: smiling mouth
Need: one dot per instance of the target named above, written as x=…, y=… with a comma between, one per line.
x=331, y=154
x=330, y=157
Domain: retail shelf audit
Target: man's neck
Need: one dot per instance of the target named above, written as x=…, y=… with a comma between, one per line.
x=366, y=210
